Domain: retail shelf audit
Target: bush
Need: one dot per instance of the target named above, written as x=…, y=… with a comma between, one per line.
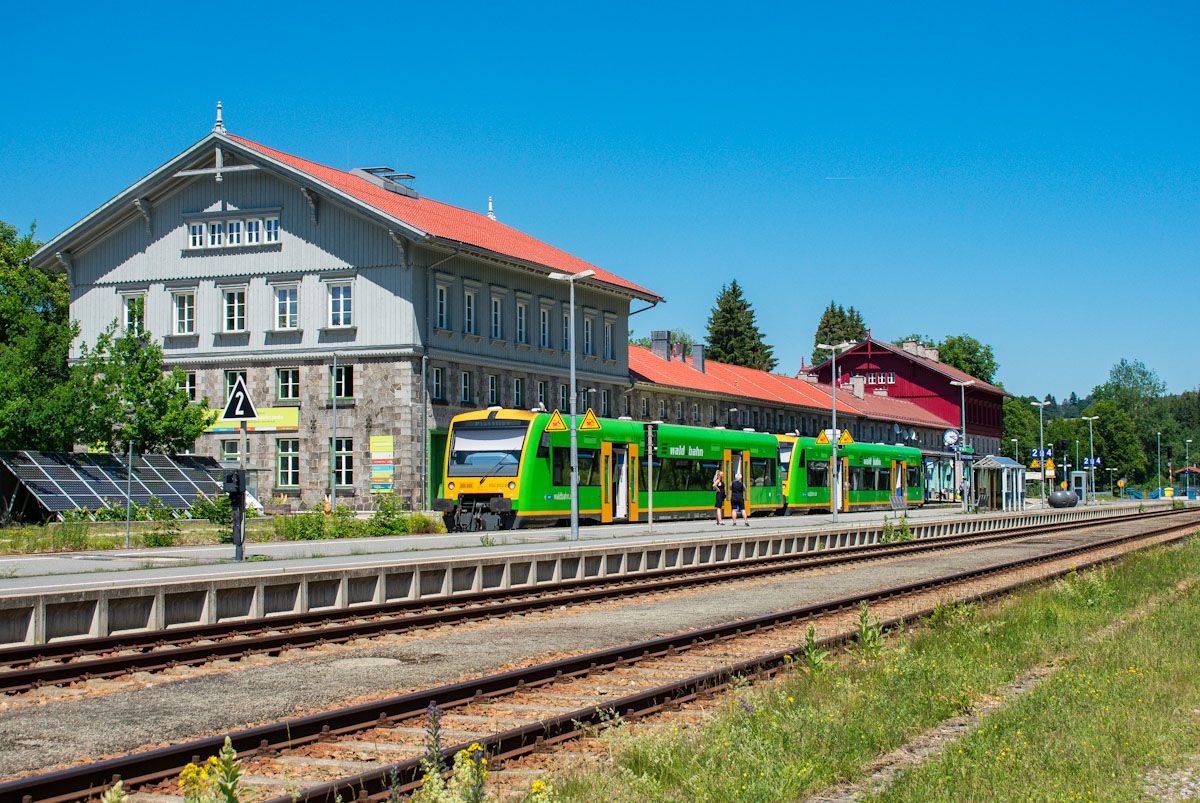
x=159, y=538
x=389, y=518
x=218, y=510
x=344, y=524
x=308, y=526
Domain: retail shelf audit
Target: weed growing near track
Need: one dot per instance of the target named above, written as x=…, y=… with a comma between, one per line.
x=815, y=729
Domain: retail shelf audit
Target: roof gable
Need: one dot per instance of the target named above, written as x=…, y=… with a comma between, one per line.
x=933, y=365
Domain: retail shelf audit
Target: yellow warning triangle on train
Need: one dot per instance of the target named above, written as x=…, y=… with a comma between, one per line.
x=823, y=439
x=556, y=423
x=844, y=439
x=590, y=421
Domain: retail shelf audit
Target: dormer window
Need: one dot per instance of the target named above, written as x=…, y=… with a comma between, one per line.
x=195, y=235
x=231, y=231
x=253, y=232
x=271, y=229
x=216, y=234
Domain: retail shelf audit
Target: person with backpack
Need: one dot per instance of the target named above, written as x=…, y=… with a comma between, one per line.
x=737, y=499
x=718, y=486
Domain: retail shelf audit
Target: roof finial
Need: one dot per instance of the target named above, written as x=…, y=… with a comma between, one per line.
x=491, y=211
x=219, y=126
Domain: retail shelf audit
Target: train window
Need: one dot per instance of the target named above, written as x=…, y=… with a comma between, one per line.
x=914, y=478
x=857, y=478
x=762, y=472
x=785, y=459
x=818, y=474
x=883, y=480
x=491, y=448
x=589, y=467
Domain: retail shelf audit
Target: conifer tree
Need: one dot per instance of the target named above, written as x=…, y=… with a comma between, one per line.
x=838, y=325
x=733, y=335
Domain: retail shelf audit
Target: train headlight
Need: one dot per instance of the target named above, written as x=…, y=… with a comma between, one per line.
x=450, y=486
x=512, y=486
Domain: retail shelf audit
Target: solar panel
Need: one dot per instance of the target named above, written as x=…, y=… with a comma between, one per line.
x=62, y=481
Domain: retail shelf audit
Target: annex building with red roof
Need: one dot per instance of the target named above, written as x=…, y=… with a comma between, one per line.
x=348, y=296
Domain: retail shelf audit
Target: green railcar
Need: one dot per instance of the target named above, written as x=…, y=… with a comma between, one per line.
x=504, y=469
x=873, y=476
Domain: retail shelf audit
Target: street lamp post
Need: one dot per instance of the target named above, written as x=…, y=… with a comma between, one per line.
x=1042, y=444
x=1158, y=471
x=962, y=444
x=835, y=481
x=1091, y=455
x=570, y=279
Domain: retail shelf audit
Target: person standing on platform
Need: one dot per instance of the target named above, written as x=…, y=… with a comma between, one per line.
x=718, y=485
x=737, y=499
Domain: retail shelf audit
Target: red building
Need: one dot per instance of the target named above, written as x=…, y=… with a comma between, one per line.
x=913, y=372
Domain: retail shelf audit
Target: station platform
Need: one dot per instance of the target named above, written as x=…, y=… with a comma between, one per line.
x=49, y=597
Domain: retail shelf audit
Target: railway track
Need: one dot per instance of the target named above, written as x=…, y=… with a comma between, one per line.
x=34, y=666
x=366, y=751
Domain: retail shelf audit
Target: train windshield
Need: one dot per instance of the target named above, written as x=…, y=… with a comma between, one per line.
x=785, y=458
x=488, y=448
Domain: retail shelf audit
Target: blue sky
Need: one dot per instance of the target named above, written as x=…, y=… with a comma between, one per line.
x=1027, y=174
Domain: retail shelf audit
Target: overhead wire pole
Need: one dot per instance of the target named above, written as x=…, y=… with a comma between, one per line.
x=1042, y=444
x=1091, y=456
x=570, y=279
x=835, y=480
x=962, y=408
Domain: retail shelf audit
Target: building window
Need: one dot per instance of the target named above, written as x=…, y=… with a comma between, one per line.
x=497, y=318
x=253, y=232
x=522, y=322
x=231, y=450
x=439, y=384
x=469, y=299
x=233, y=232
x=564, y=398
x=271, y=230
x=231, y=378
x=567, y=344
x=235, y=310
x=441, y=304
x=341, y=305
x=466, y=396
x=518, y=393
x=608, y=340
x=587, y=336
x=188, y=384
x=604, y=401
x=287, y=384
x=662, y=410
x=287, y=463
x=695, y=413
x=544, y=329
x=185, y=312
x=712, y=414
x=625, y=406
x=678, y=411
x=541, y=391
x=343, y=381
x=892, y=379
x=216, y=233
x=583, y=402
x=343, y=462
x=493, y=390
x=135, y=313
x=645, y=407
x=195, y=235
x=287, y=308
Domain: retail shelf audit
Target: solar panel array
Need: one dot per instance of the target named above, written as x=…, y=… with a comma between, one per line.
x=69, y=481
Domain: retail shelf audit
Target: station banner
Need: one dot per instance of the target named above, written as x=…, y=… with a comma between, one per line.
x=270, y=419
x=383, y=463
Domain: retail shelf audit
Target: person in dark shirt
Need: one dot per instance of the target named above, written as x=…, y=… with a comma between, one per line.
x=737, y=499
x=718, y=485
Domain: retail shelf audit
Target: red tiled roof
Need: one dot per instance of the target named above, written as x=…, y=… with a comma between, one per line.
x=446, y=221
x=735, y=380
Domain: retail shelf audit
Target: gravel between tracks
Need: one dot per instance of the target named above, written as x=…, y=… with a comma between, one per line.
x=61, y=732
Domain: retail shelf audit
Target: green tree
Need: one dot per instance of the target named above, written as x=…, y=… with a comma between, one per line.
x=1134, y=387
x=967, y=354
x=127, y=396
x=924, y=340
x=837, y=325
x=1115, y=439
x=37, y=407
x=733, y=334
x=1020, y=422
x=677, y=336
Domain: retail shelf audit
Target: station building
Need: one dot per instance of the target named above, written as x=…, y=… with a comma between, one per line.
x=364, y=316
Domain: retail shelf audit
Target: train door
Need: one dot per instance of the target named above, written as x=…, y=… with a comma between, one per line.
x=727, y=468
x=606, y=482
x=620, y=483
x=742, y=466
x=632, y=472
x=845, y=500
x=899, y=481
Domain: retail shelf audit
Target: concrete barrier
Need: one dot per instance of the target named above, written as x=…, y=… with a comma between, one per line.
x=56, y=615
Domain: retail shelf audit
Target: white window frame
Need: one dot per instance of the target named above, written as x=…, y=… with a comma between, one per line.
x=128, y=300
x=188, y=385
x=342, y=450
x=544, y=327
x=270, y=229
x=518, y=393
x=287, y=463
x=564, y=398
x=522, y=322
x=345, y=312
x=588, y=343
x=197, y=235
x=279, y=384
x=604, y=401
x=231, y=450
x=567, y=332
x=466, y=391
x=216, y=233
x=441, y=307
x=183, y=324
x=493, y=390
x=254, y=231
x=662, y=409
x=470, y=301
x=339, y=378
x=645, y=407
x=608, y=341
x=541, y=392
x=226, y=294
x=233, y=232
x=231, y=377
x=292, y=317
x=438, y=381
x=497, y=318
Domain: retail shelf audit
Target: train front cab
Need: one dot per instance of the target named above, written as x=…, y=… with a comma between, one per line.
x=484, y=468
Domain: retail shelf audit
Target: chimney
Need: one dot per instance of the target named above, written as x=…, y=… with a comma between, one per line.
x=858, y=385
x=808, y=377
x=660, y=344
x=910, y=346
x=880, y=391
x=698, y=357
x=932, y=354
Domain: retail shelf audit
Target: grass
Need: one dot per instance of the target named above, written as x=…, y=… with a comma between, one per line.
x=1093, y=731
x=784, y=740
